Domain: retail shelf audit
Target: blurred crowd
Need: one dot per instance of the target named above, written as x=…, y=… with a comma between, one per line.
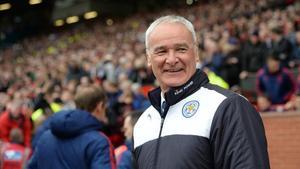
x=237, y=39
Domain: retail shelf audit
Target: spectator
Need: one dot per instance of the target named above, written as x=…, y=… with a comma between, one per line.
x=215, y=58
x=253, y=55
x=231, y=65
x=68, y=100
x=3, y=101
x=282, y=46
x=43, y=108
x=140, y=102
x=215, y=79
x=75, y=139
x=75, y=71
x=15, y=118
x=276, y=83
x=14, y=155
x=84, y=82
x=123, y=152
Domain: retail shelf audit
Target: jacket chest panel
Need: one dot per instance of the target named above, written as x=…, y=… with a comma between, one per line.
x=191, y=116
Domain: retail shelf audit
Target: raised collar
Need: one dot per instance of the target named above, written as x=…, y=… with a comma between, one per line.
x=176, y=94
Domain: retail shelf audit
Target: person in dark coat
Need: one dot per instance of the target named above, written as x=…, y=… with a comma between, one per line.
x=253, y=56
x=282, y=46
x=74, y=139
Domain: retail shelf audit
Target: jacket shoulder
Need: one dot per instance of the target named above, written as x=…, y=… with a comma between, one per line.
x=146, y=114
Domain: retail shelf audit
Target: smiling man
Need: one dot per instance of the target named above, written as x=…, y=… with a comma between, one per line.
x=172, y=57
x=193, y=124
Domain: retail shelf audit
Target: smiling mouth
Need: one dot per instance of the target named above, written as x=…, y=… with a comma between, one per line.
x=173, y=70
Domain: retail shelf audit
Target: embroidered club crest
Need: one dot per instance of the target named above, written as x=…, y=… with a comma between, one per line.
x=190, y=108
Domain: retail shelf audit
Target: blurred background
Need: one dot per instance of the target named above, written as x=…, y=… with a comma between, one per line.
x=50, y=48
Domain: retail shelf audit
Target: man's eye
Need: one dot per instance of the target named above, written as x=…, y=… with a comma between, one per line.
x=181, y=50
x=160, y=52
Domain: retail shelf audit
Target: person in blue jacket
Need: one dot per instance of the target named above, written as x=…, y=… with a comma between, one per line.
x=123, y=153
x=74, y=139
x=277, y=84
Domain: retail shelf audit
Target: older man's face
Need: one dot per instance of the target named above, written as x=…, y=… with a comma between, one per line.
x=172, y=54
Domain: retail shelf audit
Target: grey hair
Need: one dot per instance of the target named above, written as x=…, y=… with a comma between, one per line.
x=169, y=19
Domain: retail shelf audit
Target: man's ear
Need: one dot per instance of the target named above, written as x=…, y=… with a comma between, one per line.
x=100, y=113
x=148, y=59
x=98, y=108
x=100, y=105
x=197, y=57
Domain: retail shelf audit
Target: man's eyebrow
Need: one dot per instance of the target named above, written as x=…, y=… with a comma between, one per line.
x=159, y=48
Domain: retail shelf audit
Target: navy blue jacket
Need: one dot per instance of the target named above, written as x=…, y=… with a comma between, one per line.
x=74, y=141
x=199, y=126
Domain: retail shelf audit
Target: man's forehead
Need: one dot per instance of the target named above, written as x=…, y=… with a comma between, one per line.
x=167, y=27
x=174, y=31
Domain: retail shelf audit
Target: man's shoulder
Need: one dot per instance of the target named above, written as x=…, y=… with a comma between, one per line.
x=148, y=114
x=149, y=110
x=95, y=137
x=215, y=90
x=46, y=135
x=223, y=96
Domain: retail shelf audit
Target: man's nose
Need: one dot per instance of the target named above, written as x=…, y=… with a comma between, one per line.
x=171, y=58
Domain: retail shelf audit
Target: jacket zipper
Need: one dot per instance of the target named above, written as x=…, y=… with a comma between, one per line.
x=164, y=110
x=158, y=143
x=161, y=126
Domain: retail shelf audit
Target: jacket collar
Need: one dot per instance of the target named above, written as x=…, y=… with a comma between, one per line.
x=176, y=94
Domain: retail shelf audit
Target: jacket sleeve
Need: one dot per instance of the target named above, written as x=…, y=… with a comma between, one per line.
x=33, y=161
x=237, y=136
x=289, y=85
x=101, y=155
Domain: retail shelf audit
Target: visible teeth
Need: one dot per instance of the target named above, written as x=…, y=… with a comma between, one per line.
x=172, y=70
